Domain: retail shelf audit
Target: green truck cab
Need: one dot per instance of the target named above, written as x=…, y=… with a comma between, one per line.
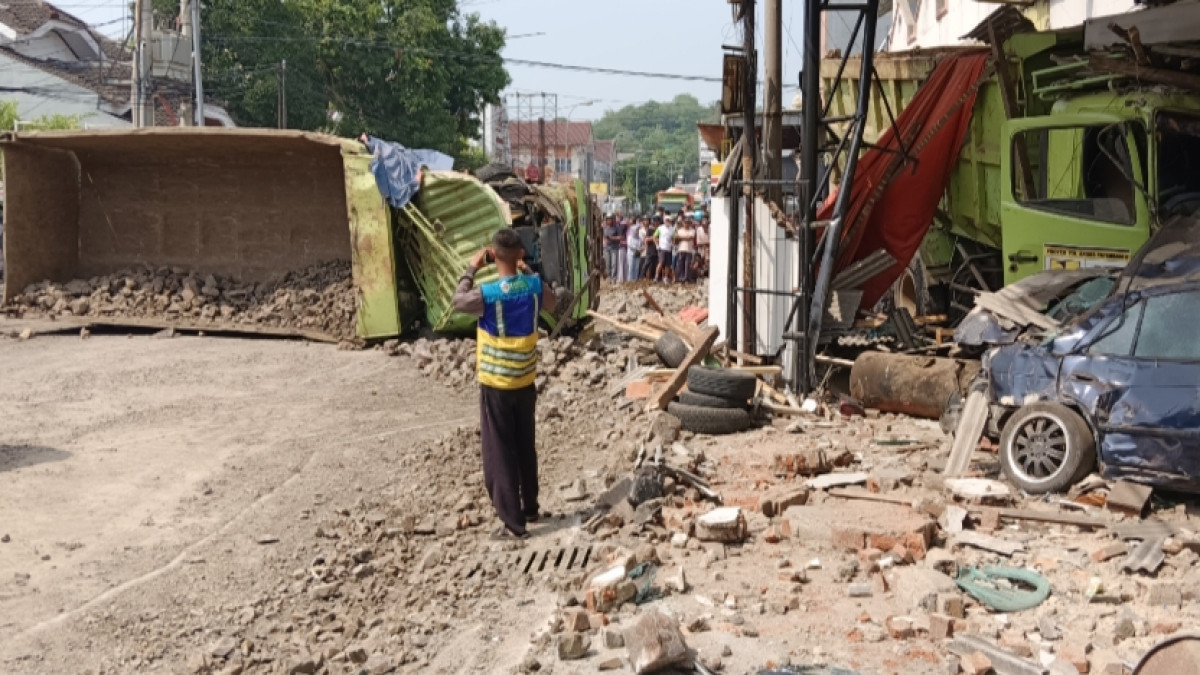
x=1091, y=167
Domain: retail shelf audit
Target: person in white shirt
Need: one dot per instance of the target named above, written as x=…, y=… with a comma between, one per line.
x=665, y=235
x=634, y=243
x=685, y=249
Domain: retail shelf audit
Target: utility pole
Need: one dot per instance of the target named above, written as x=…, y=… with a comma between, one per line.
x=197, y=73
x=281, y=109
x=141, y=117
x=542, y=149
x=749, y=157
x=773, y=105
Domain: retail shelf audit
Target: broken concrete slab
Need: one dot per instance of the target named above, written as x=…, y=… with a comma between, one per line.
x=781, y=498
x=986, y=542
x=978, y=489
x=837, y=480
x=654, y=643
x=853, y=525
x=1128, y=498
x=726, y=524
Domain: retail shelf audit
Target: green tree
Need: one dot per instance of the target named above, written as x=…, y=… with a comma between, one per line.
x=414, y=71
x=663, y=139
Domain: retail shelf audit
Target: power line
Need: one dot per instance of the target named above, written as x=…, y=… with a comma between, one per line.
x=421, y=51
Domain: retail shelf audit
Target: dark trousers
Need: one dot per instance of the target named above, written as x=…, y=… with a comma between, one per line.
x=507, y=419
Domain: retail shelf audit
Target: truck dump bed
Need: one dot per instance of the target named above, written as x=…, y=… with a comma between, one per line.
x=247, y=205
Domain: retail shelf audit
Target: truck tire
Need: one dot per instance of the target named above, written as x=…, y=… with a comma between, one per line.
x=730, y=384
x=1046, y=447
x=494, y=172
x=701, y=420
x=706, y=401
x=910, y=291
x=671, y=349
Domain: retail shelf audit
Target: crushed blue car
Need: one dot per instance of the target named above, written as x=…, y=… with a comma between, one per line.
x=1118, y=388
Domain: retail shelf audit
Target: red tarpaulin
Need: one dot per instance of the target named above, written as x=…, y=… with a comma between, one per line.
x=892, y=202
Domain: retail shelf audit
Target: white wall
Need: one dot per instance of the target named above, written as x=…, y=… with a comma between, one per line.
x=776, y=258
x=51, y=95
x=962, y=16
x=1068, y=13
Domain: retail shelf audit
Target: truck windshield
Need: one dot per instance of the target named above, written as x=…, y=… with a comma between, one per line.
x=1178, y=138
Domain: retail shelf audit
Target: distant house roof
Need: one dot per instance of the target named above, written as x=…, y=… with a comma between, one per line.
x=26, y=16
x=108, y=74
x=605, y=150
x=524, y=135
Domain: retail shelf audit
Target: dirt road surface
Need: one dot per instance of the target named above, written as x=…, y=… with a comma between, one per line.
x=138, y=476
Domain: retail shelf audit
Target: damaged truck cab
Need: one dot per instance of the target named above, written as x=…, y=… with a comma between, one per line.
x=1088, y=184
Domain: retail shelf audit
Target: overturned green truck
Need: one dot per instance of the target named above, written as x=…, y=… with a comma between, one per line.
x=220, y=230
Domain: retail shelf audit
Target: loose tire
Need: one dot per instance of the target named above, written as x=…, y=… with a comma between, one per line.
x=702, y=420
x=730, y=384
x=671, y=349
x=1046, y=447
x=494, y=172
x=706, y=401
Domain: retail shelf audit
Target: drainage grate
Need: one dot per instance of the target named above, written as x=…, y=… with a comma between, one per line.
x=561, y=560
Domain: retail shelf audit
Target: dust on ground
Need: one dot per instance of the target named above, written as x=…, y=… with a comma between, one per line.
x=219, y=505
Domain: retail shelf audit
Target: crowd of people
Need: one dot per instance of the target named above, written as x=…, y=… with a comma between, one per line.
x=662, y=248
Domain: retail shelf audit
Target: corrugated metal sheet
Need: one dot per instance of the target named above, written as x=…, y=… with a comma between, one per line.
x=455, y=215
x=1146, y=557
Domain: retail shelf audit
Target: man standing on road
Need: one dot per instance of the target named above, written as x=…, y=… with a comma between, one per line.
x=665, y=235
x=506, y=363
x=612, y=248
x=633, y=248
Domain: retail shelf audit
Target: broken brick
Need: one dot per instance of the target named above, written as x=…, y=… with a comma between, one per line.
x=1076, y=655
x=900, y=627
x=780, y=499
x=941, y=627
x=976, y=663
x=1109, y=551
x=989, y=519
x=847, y=538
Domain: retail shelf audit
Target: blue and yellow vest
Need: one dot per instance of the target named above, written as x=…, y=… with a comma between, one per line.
x=506, y=345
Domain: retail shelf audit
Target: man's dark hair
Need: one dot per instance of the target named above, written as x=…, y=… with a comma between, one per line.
x=507, y=239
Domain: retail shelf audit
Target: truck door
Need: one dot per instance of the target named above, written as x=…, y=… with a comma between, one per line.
x=1081, y=202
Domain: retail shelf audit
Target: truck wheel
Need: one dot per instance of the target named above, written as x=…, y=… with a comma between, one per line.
x=911, y=290
x=706, y=401
x=730, y=384
x=1046, y=447
x=671, y=349
x=701, y=420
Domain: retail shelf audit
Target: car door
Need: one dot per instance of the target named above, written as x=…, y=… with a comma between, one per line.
x=1140, y=379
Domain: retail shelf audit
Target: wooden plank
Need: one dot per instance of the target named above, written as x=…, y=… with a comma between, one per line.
x=1173, y=78
x=630, y=329
x=652, y=302
x=748, y=358
x=753, y=370
x=1049, y=517
x=967, y=435
x=659, y=399
x=868, y=496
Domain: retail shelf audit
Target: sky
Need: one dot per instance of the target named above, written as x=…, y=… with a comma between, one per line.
x=681, y=37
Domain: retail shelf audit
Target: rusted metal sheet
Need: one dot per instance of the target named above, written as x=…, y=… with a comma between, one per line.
x=914, y=385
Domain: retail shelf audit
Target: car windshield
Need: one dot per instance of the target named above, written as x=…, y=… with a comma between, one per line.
x=1178, y=138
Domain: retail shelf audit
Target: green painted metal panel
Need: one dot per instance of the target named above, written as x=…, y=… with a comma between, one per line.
x=372, y=251
x=453, y=217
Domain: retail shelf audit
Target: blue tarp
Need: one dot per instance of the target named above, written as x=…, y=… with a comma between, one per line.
x=397, y=168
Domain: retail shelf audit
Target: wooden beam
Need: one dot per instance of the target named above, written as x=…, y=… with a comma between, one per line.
x=660, y=398
x=1173, y=78
x=652, y=302
x=631, y=329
